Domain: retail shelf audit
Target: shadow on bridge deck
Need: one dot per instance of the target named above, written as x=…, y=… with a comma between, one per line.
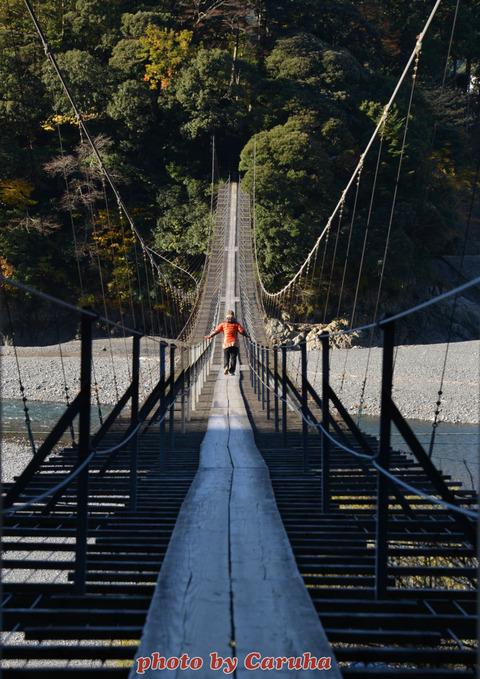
x=229, y=581
x=229, y=584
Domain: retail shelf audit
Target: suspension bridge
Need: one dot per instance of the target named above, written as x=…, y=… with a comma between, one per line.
x=233, y=524
x=229, y=532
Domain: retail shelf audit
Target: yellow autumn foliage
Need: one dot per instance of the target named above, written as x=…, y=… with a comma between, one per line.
x=58, y=119
x=164, y=50
x=16, y=193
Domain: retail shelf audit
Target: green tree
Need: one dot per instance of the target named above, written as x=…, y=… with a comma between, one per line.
x=87, y=80
x=96, y=23
x=133, y=105
x=293, y=181
x=210, y=95
x=183, y=224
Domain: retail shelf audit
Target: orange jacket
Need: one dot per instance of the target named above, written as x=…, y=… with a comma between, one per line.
x=230, y=333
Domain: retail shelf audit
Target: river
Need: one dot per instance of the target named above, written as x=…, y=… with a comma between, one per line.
x=455, y=452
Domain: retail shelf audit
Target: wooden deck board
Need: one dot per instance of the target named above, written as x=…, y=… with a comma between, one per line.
x=229, y=574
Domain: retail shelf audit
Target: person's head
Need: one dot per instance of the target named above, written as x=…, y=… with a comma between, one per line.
x=230, y=316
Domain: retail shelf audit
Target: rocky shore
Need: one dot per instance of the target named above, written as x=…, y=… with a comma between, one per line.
x=355, y=376
x=46, y=371
x=421, y=371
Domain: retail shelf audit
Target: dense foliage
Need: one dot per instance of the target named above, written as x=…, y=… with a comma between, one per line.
x=297, y=85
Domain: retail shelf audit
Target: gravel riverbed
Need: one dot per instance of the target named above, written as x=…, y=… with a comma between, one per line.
x=45, y=371
x=417, y=379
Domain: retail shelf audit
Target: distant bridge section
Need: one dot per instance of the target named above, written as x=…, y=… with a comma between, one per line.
x=230, y=278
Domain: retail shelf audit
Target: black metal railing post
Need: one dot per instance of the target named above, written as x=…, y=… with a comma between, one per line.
x=284, y=396
x=83, y=453
x=267, y=380
x=189, y=384
x=275, y=385
x=248, y=345
x=303, y=355
x=259, y=377
x=325, y=423
x=184, y=384
x=383, y=484
x=134, y=422
x=172, y=397
x=262, y=354
x=161, y=443
x=253, y=360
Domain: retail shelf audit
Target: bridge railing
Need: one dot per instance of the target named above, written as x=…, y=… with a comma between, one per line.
x=253, y=313
x=182, y=372
x=282, y=397
x=205, y=315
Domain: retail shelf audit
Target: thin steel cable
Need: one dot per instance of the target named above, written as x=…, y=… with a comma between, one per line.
x=350, y=232
x=369, y=217
x=109, y=334
x=389, y=229
x=367, y=148
x=397, y=184
x=369, y=458
x=28, y=422
x=67, y=185
x=334, y=255
x=65, y=383
x=452, y=316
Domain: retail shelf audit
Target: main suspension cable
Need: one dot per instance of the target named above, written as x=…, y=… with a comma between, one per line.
x=386, y=110
x=49, y=54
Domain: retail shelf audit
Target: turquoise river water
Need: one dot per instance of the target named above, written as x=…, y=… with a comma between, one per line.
x=456, y=450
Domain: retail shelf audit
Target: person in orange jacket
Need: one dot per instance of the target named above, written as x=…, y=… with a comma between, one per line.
x=230, y=328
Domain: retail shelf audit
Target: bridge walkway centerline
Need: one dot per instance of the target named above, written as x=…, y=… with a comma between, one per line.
x=229, y=583
x=423, y=626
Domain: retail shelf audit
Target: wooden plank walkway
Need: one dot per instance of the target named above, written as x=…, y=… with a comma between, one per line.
x=229, y=586
x=229, y=581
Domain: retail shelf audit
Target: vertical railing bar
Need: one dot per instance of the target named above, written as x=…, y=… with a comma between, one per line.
x=303, y=354
x=381, y=553
x=275, y=386
x=284, y=396
x=208, y=361
x=262, y=354
x=251, y=362
x=200, y=371
x=83, y=452
x=189, y=385
x=182, y=367
x=267, y=379
x=162, y=409
x=203, y=361
x=325, y=422
x=194, y=379
x=134, y=421
x=259, y=377
x=172, y=397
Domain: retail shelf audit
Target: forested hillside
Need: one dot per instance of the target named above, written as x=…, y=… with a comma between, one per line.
x=157, y=82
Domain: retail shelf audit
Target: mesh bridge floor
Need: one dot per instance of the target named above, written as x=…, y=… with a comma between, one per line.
x=425, y=626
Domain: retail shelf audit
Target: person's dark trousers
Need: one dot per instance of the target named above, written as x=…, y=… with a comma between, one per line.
x=230, y=358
